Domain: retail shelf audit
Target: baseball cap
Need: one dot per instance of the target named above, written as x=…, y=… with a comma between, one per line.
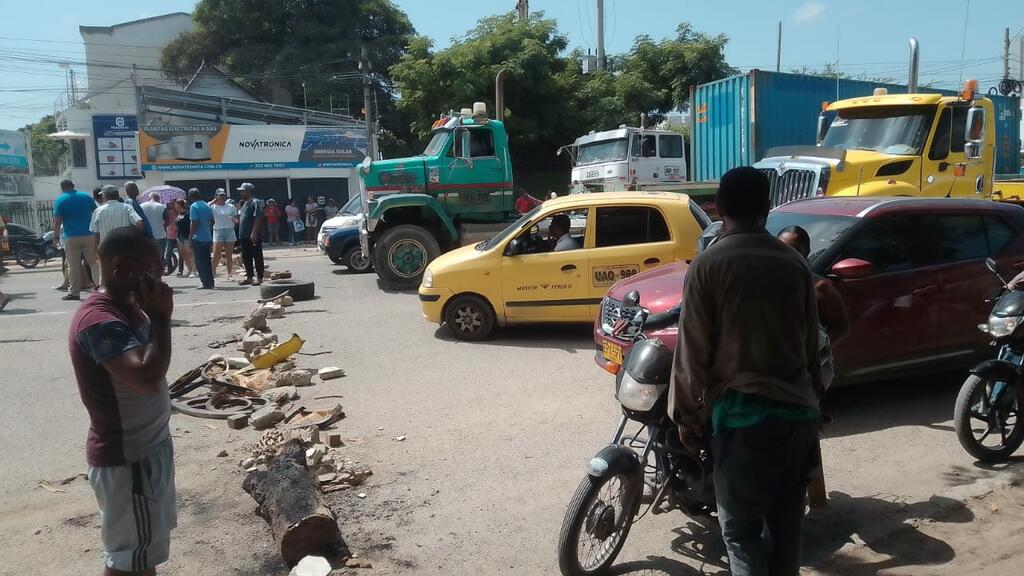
x=221, y=192
x=246, y=186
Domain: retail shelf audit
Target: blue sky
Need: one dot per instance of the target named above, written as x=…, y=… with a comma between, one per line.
x=866, y=36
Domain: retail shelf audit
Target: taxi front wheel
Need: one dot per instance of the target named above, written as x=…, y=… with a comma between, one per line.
x=469, y=317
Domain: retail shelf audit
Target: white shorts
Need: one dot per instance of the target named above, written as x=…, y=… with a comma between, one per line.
x=137, y=510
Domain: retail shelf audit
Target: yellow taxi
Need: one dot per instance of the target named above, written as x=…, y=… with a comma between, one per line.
x=556, y=262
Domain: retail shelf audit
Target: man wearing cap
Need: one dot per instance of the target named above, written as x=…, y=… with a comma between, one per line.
x=72, y=215
x=132, y=191
x=113, y=214
x=250, y=226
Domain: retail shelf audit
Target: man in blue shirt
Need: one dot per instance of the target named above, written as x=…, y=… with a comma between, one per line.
x=72, y=213
x=132, y=191
x=201, y=215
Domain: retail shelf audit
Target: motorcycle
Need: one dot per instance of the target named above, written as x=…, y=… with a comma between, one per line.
x=633, y=470
x=29, y=253
x=988, y=407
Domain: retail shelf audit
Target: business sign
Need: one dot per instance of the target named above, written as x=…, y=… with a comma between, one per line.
x=115, y=141
x=244, y=147
x=14, y=166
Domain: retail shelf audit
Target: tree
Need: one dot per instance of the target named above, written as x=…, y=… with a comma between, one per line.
x=831, y=70
x=274, y=46
x=548, y=100
x=46, y=152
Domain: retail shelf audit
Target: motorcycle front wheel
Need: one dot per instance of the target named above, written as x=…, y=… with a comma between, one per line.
x=28, y=258
x=987, y=419
x=595, y=525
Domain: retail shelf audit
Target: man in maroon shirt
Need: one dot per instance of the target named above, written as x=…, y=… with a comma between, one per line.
x=120, y=347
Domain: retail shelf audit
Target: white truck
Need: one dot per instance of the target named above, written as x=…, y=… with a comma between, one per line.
x=626, y=158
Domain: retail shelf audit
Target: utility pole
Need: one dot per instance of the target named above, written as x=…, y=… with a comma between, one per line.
x=305, y=105
x=600, y=34
x=365, y=67
x=778, y=50
x=1006, y=53
x=523, y=10
x=1020, y=74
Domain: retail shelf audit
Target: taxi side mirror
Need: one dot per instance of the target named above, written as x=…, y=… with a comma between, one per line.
x=514, y=247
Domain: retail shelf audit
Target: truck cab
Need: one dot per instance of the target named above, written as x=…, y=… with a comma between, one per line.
x=892, y=145
x=626, y=158
x=416, y=208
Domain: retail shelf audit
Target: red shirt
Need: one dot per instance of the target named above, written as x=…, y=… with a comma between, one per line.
x=272, y=214
x=526, y=203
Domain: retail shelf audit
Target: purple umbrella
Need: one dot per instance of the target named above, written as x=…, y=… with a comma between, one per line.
x=166, y=193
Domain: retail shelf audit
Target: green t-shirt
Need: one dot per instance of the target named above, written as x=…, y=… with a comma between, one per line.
x=738, y=410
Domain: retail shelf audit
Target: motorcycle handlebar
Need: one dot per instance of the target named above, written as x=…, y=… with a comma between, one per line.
x=663, y=319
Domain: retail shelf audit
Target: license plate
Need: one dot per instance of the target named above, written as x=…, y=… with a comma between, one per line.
x=612, y=352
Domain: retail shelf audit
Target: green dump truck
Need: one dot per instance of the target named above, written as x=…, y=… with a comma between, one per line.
x=458, y=190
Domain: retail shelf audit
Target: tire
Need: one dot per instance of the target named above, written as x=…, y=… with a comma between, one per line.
x=298, y=289
x=970, y=404
x=355, y=261
x=172, y=264
x=28, y=258
x=402, y=254
x=581, y=507
x=336, y=258
x=469, y=318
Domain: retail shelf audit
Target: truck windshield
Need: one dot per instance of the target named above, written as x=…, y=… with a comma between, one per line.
x=885, y=129
x=603, y=151
x=823, y=230
x=497, y=238
x=436, y=144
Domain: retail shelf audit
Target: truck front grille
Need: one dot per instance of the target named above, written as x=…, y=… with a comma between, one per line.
x=792, y=184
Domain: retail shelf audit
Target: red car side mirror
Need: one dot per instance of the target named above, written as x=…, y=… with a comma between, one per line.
x=852, y=268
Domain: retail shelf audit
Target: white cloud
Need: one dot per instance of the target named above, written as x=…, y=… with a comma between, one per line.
x=809, y=12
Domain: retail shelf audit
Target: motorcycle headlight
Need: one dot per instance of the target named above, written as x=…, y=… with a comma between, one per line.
x=1000, y=327
x=636, y=396
x=428, y=279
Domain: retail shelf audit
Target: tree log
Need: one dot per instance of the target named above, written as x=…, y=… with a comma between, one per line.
x=290, y=500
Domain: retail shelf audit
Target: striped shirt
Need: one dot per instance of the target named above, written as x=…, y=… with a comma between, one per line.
x=111, y=216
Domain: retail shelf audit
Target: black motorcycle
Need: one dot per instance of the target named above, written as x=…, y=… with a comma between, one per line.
x=29, y=253
x=650, y=466
x=988, y=408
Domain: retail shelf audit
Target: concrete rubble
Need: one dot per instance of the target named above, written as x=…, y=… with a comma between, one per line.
x=311, y=566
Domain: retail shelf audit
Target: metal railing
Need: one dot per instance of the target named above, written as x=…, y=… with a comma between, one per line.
x=34, y=214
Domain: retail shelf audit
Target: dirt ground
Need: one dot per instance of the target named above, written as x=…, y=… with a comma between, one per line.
x=497, y=436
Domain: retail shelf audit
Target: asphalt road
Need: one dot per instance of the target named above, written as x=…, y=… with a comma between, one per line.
x=497, y=435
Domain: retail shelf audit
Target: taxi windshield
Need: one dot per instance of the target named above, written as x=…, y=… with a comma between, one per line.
x=497, y=238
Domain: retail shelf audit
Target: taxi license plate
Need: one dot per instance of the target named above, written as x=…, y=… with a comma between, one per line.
x=612, y=352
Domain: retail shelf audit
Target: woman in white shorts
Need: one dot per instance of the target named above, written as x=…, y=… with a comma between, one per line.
x=224, y=217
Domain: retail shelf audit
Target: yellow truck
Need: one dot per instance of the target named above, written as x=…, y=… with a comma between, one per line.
x=912, y=144
x=555, y=264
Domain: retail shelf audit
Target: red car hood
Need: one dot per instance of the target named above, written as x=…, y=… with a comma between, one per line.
x=660, y=289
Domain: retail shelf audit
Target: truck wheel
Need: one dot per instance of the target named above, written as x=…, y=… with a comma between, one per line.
x=298, y=289
x=336, y=258
x=355, y=260
x=469, y=317
x=402, y=253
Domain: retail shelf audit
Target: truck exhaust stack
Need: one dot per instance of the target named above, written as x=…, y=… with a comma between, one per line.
x=499, y=95
x=914, y=61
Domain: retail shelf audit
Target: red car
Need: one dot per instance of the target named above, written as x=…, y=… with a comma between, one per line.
x=911, y=270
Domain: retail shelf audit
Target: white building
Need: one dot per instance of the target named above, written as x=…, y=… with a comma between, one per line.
x=122, y=63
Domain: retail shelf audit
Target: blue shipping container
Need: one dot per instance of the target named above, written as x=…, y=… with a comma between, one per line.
x=737, y=119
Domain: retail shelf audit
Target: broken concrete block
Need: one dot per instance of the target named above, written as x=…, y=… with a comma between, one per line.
x=236, y=363
x=334, y=441
x=330, y=372
x=257, y=321
x=315, y=454
x=285, y=300
x=271, y=310
x=311, y=566
x=326, y=478
x=266, y=417
x=284, y=366
x=314, y=436
x=281, y=395
x=247, y=463
x=294, y=378
x=238, y=421
x=358, y=562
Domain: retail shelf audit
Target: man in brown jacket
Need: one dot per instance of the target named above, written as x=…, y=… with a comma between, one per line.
x=746, y=376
